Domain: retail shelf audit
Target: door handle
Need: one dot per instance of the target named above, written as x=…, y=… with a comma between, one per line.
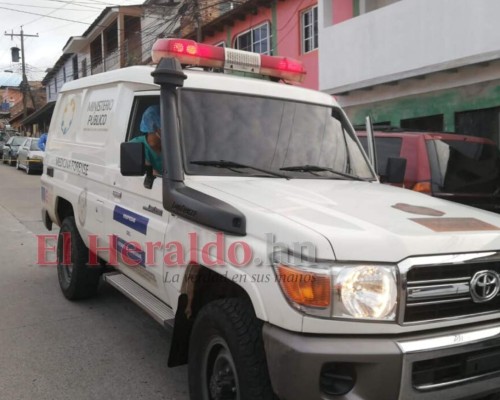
x=153, y=209
x=117, y=194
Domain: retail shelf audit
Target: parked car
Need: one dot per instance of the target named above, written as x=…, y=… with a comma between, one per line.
x=460, y=168
x=11, y=148
x=30, y=157
x=4, y=137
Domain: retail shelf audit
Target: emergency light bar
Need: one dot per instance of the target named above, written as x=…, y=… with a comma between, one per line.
x=204, y=55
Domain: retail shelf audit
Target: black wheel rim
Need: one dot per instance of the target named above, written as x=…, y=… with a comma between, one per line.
x=220, y=380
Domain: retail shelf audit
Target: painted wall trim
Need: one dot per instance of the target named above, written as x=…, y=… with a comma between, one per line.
x=466, y=61
x=274, y=30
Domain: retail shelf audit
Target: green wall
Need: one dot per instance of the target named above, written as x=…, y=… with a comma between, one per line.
x=448, y=102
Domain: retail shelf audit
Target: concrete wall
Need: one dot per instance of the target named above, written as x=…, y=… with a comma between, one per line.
x=405, y=39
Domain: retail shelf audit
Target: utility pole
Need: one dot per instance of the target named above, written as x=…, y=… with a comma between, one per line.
x=197, y=20
x=25, y=87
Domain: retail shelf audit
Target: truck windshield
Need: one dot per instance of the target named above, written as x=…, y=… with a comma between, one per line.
x=265, y=133
x=465, y=166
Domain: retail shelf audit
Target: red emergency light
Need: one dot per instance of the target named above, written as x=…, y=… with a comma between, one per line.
x=202, y=55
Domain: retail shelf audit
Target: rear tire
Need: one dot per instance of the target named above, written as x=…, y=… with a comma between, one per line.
x=77, y=279
x=226, y=354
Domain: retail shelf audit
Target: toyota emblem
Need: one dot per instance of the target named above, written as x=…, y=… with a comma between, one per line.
x=484, y=286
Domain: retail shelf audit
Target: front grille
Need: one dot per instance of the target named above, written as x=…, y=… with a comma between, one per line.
x=444, y=371
x=443, y=291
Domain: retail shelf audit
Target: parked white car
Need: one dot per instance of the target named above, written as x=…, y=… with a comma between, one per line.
x=30, y=157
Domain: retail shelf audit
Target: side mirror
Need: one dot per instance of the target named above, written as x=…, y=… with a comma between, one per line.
x=132, y=159
x=395, y=170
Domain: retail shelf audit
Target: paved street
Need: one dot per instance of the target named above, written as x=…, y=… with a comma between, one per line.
x=50, y=348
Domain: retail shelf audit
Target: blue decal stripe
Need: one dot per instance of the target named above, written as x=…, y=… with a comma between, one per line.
x=135, y=221
x=135, y=254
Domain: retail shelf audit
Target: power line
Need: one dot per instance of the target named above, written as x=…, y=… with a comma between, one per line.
x=47, y=15
x=51, y=16
x=42, y=15
x=45, y=7
x=80, y=3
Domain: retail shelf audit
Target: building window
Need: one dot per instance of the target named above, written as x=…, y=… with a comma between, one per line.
x=309, y=23
x=75, y=67
x=84, y=67
x=111, y=38
x=482, y=123
x=427, y=123
x=257, y=39
x=95, y=54
x=365, y=6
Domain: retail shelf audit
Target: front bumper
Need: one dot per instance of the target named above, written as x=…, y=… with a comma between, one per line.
x=35, y=165
x=459, y=364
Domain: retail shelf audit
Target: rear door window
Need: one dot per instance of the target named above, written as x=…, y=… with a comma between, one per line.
x=464, y=166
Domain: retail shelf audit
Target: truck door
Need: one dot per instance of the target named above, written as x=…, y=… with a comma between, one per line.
x=138, y=220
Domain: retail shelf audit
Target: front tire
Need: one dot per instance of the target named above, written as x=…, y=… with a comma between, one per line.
x=226, y=354
x=77, y=279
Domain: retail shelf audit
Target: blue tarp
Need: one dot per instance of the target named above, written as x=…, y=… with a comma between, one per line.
x=10, y=79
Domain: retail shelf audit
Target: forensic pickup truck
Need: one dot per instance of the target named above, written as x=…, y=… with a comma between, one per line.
x=266, y=241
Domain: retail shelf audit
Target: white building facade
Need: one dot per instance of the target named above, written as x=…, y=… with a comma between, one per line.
x=418, y=64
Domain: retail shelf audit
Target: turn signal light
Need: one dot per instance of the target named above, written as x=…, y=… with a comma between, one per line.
x=423, y=187
x=305, y=288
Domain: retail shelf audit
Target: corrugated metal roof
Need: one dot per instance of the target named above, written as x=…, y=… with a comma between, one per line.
x=10, y=79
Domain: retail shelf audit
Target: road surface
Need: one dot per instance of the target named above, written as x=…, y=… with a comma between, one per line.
x=105, y=348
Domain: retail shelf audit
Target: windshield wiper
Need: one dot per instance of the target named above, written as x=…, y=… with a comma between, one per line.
x=317, y=168
x=232, y=164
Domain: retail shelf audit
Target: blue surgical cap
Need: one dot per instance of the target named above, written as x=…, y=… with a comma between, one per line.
x=151, y=119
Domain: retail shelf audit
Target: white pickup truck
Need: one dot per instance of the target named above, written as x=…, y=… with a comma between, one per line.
x=267, y=242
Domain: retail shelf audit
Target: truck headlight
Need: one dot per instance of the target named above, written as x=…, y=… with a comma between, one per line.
x=340, y=291
x=366, y=291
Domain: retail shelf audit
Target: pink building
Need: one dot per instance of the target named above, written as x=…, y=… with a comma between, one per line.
x=281, y=28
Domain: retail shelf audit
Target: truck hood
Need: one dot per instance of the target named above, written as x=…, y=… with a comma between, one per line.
x=366, y=221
